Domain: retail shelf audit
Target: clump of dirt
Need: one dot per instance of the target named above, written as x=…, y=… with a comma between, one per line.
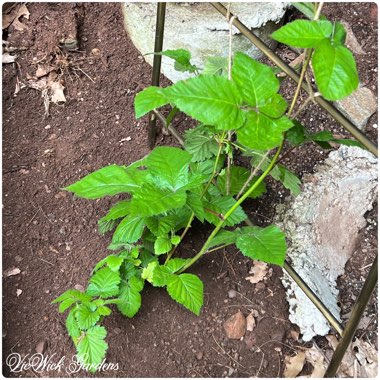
x=53, y=239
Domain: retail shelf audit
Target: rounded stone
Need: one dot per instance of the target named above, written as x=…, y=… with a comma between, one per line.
x=202, y=30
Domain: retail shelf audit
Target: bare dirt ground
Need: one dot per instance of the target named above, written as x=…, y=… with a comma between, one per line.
x=53, y=238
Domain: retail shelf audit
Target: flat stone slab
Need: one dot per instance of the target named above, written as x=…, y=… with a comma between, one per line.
x=358, y=107
x=199, y=28
x=322, y=225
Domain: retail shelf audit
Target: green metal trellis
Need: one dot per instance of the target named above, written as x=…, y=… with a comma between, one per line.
x=347, y=332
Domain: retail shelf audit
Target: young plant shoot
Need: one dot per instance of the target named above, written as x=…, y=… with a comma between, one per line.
x=169, y=188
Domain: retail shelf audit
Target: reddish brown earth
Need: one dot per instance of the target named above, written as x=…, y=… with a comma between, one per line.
x=53, y=239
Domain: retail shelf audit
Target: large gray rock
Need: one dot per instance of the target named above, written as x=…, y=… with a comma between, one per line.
x=199, y=28
x=322, y=225
x=358, y=107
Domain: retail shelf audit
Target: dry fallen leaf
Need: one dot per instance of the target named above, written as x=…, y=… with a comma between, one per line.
x=316, y=359
x=7, y=58
x=295, y=334
x=294, y=365
x=43, y=70
x=57, y=95
x=367, y=357
x=260, y=271
x=22, y=12
x=12, y=272
x=251, y=323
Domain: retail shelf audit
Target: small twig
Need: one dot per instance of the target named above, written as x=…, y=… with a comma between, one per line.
x=318, y=12
x=170, y=128
x=366, y=328
x=229, y=134
x=228, y=262
x=261, y=364
x=226, y=353
x=78, y=68
x=45, y=261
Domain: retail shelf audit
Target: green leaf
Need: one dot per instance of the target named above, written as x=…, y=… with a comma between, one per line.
x=264, y=244
x=206, y=167
x=175, y=239
x=130, y=296
x=147, y=257
x=72, y=325
x=181, y=217
x=104, y=310
x=307, y=9
x=303, y=33
x=218, y=207
x=161, y=276
x=339, y=34
x=200, y=144
x=112, y=261
x=210, y=99
x=262, y=133
x=296, y=135
x=215, y=66
x=149, y=99
x=321, y=136
x=238, y=177
x=287, y=178
x=147, y=273
x=104, y=283
x=349, y=142
x=335, y=71
x=274, y=107
x=110, y=180
x=152, y=200
x=118, y=210
x=194, y=201
x=182, y=59
x=169, y=167
x=161, y=225
x=174, y=265
x=92, y=348
x=129, y=230
x=162, y=245
x=86, y=317
x=105, y=226
x=224, y=237
x=256, y=81
x=70, y=297
x=279, y=173
x=187, y=289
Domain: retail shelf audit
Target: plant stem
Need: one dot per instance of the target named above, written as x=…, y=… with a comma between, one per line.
x=171, y=115
x=215, y=164
x=170, y=254
x=231, y=210
x=299, y=84
x=253, y=173
x=217, y=248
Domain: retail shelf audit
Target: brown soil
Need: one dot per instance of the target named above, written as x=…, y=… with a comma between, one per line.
x=53, y=238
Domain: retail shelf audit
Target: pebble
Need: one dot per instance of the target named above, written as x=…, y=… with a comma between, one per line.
x=18, y=259
x=251, y=323
x=231, y=293
x=199, y=355
x=41, y=347
x=235, y=326
x=260, y=285
x=81, y=289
